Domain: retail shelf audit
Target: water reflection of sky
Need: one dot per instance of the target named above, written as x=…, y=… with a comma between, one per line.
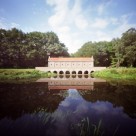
x=110, y=115
x=70, y=108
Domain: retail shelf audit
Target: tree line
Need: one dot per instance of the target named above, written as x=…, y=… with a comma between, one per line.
x=28, y=50
x=115, y=53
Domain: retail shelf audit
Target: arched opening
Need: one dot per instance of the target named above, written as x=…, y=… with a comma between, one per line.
x=91, y=74
x=49, y=74
x=79, y=72
x=67, y=72
x=68, y=76
x=86, y=76
x=79, y=76
x=61, y=72
x=54, y=76
x=61, y=76
x=86, y=72
x=73, y=72
x=73, y=76
x=55, y=72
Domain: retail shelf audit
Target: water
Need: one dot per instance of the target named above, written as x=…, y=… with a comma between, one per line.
x=72, y=106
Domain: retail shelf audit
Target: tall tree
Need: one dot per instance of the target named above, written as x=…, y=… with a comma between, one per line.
x=100, y=50
x=118, y=49
x=129, y=42
x=18, y=49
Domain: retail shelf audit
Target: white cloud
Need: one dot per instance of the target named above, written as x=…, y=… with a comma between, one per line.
x=102, y=36
x=3, y=23
x=59, y=4
x=81, y=22
x=101, y=8
x=76, y=22
x=100, y=107
x=6, y=24
x=100, y=23
x=114, y=21
x=57, y=19
x=82, y=108
x=75, y=25
x=65, y=103
x=65, y=20
x=28, y=29
x=13, y=24
x=122, y=24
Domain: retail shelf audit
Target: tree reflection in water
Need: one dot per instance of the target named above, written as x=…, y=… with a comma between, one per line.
x=64, y=105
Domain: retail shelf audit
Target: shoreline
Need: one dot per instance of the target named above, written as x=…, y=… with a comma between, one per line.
x=127, y=74
x=117, y=74
x=21, y=74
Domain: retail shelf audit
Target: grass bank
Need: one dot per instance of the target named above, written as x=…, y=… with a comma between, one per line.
x=117, y=73
x=19, y=74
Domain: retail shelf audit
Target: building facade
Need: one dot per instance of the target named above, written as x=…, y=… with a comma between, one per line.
x=71, y=62
x=70, y=66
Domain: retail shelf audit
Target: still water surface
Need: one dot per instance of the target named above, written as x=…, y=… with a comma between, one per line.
x=72, y=106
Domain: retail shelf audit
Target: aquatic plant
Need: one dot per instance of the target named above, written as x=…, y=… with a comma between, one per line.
x=86, y=128
x=97, y=131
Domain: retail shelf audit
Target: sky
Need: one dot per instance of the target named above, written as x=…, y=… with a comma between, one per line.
x=74, y=21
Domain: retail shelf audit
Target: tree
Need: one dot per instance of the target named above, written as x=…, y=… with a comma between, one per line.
x=99, y=50
x=18, y=49
x=130, y=54
x=129, y=42
x=118, y=50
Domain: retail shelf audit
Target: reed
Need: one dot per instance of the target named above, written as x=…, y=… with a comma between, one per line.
x=89, y=129
x=86, y=128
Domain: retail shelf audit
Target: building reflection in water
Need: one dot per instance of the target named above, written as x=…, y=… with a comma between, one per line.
x=65, y=82
x=45, y=93
x=53, y=104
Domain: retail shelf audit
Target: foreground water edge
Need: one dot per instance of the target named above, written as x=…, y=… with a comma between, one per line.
x=67, y=106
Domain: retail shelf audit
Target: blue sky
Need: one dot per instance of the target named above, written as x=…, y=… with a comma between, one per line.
x=74, y=21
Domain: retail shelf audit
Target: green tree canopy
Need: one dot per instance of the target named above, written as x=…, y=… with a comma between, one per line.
x=19, y=49
x=117, y=52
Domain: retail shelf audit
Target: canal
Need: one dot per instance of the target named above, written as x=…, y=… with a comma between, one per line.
x=68, y=106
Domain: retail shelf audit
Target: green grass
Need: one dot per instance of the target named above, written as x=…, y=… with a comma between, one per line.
x=19, y=74
x=117, y=73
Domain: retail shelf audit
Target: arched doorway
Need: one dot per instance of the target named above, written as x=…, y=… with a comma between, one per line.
x=79, y=72
x=91, y=74
x=55, y=72
x=67, y=73
x=86, y=72
x=49, y=74
x=73, y=72
x=61, y=72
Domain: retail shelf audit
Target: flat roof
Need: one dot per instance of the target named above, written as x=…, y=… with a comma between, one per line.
x=71, y=59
